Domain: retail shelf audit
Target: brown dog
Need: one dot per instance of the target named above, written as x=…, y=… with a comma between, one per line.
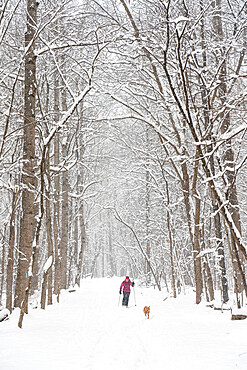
x=146, y=311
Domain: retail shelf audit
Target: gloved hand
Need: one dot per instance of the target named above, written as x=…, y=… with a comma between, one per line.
x=133, y=284
x=120, y=291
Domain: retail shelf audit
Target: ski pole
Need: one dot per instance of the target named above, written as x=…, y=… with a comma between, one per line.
x=119, y=299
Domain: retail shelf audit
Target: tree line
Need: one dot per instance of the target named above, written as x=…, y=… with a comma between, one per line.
x=122, y=145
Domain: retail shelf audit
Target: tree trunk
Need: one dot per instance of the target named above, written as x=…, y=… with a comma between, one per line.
x=64, y=225
x=147, y=211
x=197, y=249
x=217, y=220
x=48, y=227
x=206, y=268
x=171, y=243
x=2, y=270
x=65, y=208
x=43, y=290
x=28, y=171
x=9, y=281
x=56, y=216
x=76, y=231
x=228, y=156
x=221, y=254
x=81, y=229
x=82, y=241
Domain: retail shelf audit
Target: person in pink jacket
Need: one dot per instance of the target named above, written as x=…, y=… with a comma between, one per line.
x=126, y=284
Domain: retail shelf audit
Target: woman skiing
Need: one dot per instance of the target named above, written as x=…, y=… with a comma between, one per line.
x=126, y=284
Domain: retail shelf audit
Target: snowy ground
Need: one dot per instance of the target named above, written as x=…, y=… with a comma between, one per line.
x=89, y=331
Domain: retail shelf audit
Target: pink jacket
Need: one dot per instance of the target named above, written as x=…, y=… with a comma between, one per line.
x=126, y=286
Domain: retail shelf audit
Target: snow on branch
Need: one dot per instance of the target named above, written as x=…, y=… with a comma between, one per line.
x=179, y=20
x=226, y=136
x=67, y=115
x=48, y=264
x=68, y=44
x=206, y=252
x=4, y=314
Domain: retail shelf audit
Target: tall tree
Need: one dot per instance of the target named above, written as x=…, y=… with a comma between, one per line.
x=228, y=153
x=28, y=160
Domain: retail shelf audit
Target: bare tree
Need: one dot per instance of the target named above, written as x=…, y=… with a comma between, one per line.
x=29, y=159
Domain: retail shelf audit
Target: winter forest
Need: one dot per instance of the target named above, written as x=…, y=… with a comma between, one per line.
x=123, y=146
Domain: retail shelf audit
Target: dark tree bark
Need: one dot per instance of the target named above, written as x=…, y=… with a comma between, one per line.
x=65, y=209
x=173, y=282
x=28, y=172
x=228, y=155
x=56, y=216
x=10, y=264
x=217, y=219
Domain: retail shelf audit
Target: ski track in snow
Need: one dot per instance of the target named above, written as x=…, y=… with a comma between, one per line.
x=88, y=330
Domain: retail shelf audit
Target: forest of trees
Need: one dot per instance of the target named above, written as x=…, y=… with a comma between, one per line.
x=122, y=146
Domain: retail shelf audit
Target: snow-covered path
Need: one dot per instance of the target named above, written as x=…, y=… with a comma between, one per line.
x=89, y=331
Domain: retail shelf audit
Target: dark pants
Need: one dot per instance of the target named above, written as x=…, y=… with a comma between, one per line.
x=125, y=298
